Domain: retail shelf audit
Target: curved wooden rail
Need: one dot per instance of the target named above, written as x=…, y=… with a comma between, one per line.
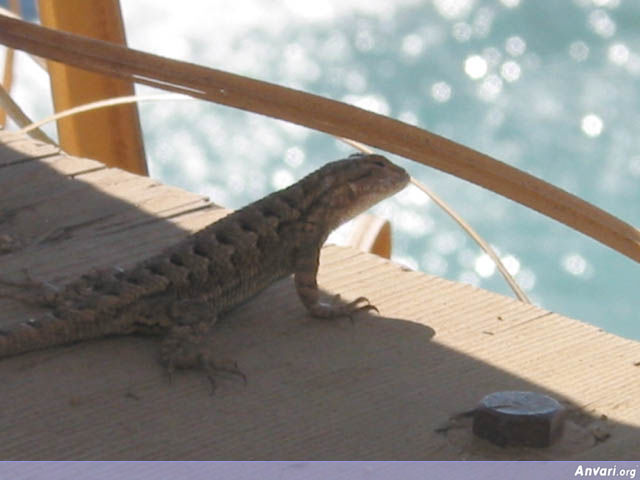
x=328, y=116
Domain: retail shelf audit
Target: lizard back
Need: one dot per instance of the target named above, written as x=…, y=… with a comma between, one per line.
x=221, y=266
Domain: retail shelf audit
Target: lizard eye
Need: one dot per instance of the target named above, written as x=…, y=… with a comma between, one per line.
x=379, y=163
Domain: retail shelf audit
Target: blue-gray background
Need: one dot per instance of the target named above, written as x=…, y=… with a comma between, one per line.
x=548, y=86
x=313, y=470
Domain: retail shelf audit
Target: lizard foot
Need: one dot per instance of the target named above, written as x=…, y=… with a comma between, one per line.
x=335, y=309
x=183, y=349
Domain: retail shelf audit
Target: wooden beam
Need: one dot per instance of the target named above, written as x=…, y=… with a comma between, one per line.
x=111, y=135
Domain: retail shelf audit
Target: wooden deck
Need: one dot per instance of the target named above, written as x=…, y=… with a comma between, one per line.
x=376, y=389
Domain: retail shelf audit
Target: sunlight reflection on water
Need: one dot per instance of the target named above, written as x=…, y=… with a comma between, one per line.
x=556, y=98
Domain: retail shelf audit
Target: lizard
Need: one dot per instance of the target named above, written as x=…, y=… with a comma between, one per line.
x=181, y=292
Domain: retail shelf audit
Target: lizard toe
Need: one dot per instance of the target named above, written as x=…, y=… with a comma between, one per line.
x=336, y=310
x=184, y=349
x=214, y=370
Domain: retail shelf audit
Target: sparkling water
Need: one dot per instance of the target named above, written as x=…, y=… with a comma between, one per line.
x=548, y=86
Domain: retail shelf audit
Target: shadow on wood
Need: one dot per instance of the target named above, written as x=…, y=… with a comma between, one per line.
x=384, y=387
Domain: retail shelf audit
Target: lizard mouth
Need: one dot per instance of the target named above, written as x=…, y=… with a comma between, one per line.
x=345, y=188
x=381, y=177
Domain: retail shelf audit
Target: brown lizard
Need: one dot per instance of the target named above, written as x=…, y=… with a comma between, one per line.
x=181, y=292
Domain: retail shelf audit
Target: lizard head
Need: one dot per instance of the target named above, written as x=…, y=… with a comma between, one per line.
x=353, y=185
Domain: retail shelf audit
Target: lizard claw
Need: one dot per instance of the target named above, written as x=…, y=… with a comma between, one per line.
x=183, y=349
x=212, y=369
x=215, y=369
x=335, y=310
x=355, y=307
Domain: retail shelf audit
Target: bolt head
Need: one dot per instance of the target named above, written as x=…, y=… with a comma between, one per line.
x=514, y=418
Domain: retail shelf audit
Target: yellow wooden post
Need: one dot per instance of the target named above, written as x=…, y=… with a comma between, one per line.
x=7, y=74
x=371, y=234
x=111, y=135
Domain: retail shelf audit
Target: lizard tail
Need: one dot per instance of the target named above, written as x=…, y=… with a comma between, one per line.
x=50, y=331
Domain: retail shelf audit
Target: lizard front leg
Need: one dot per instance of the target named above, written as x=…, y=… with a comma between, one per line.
x=305, y=278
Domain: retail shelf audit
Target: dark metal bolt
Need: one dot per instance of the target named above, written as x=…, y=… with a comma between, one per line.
x=519, y=418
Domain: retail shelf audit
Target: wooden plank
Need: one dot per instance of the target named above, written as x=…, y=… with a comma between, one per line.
x=61, y=216
x=21, y=147
x=378, y=388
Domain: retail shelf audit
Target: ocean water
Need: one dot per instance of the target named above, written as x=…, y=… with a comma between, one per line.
x=549, y=87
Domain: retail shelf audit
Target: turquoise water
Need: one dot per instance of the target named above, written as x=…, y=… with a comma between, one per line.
x=550, y=87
